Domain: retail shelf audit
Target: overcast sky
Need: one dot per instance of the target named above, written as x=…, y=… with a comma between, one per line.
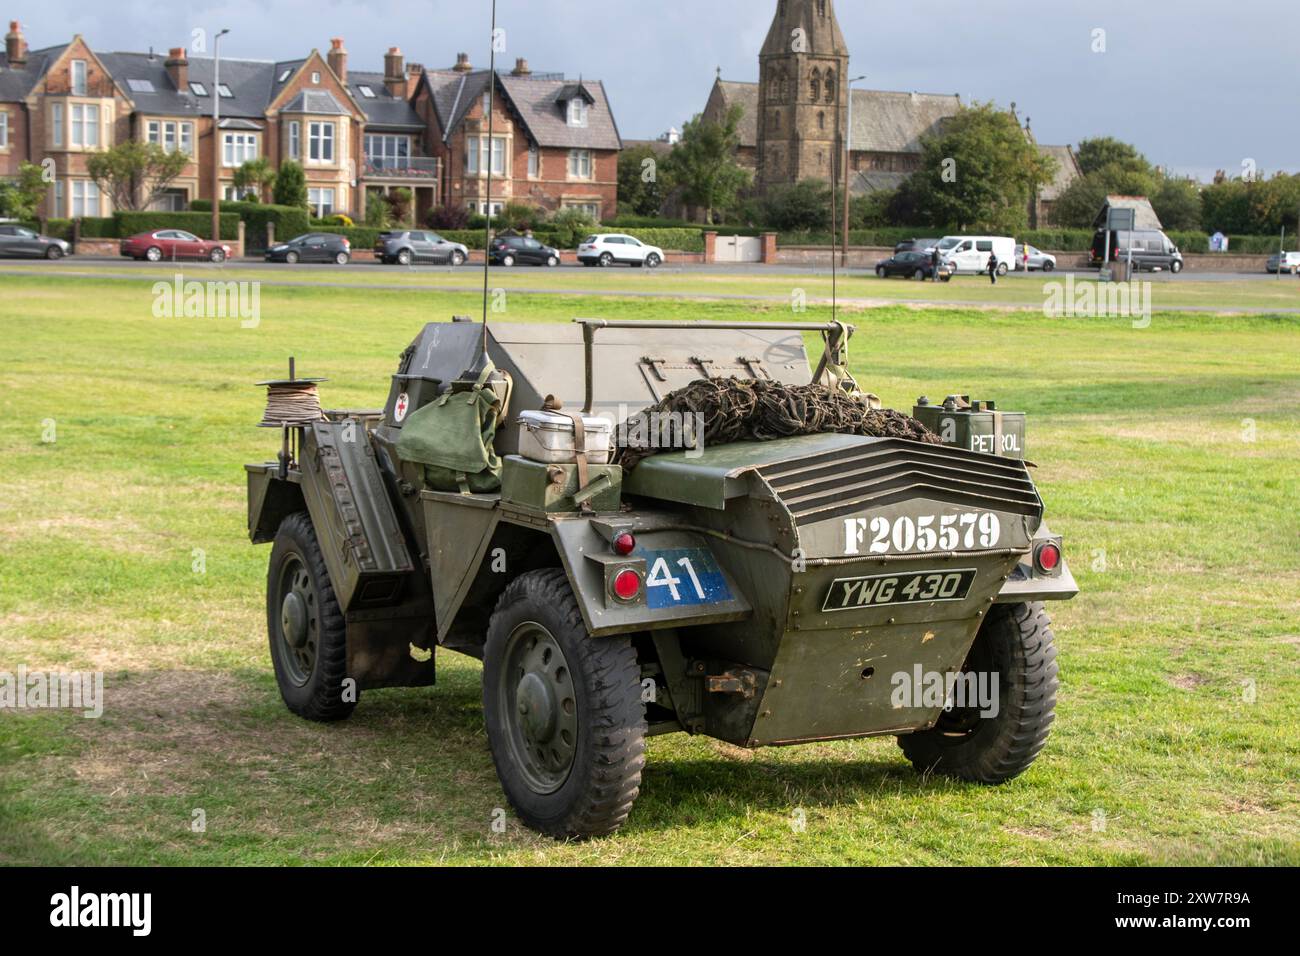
x=1187, y=82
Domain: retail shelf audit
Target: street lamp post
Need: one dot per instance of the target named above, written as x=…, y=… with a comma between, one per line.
x=848, y=158
x=216, y=138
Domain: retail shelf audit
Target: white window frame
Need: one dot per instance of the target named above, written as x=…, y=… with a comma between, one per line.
x=57, y=115
x=578, y=159
x=238, y=148
x=223, y=91
x=534, y=162
x=84, y=193
x=79, y=74
x=58, y=199
x=591, y=207
x=577, y=111
x=320, y=142
x=385, y=146
x=85, y=126
x=476, y=155
x=315, y=78
x=236, y=194
x=186, y=140
x=295, y=139
x=4, y=129
x=316, y=199
x=366, y=91
x=198, y=89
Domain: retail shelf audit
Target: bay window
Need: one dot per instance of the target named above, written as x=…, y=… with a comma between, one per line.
x=477, y=160
x=171, y=136
x=238, y=148
x=4, y=129
x=320, y=142
x=85, y=199
x=85, y=125
x=295, y=140
x=56, y=121
x=321, y=202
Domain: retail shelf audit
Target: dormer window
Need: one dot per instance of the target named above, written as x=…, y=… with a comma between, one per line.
x=577, y=111
x=315, y=79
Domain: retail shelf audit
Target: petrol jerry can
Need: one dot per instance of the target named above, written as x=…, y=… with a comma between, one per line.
x=974, y=426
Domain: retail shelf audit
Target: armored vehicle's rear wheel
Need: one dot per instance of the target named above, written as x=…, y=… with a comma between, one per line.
x=1017, y=644
x=305, y=626
x=563, y=710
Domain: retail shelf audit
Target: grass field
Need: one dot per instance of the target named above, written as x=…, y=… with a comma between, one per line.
x=1168, y=458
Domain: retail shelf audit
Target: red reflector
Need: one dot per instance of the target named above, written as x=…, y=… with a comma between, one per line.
x=624, y=543
x=627, y=583
x=1049, y=556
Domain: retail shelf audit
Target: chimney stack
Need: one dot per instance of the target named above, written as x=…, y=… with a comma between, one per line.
x=413, y=73
x=394, y=73
x=338, y=59
x=462, y=63
x=178, y=68
x=521, y=68
x=15, y=45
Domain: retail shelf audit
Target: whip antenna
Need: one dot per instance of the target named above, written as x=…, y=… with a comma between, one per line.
x=487, y=227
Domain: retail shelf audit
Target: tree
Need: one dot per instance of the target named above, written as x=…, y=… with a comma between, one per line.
x=400, y=202
x=1178, y=203
x=19, y=199
x=445, y=217
x=704, y=163
x=978, y=171
x=1100, y=152
x=290, y=185
x=1080, y=202
x=642, y=181
x=134, y=174
x=799, y=207
x=256, y=174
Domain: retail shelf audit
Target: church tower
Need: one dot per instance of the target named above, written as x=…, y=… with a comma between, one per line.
x=802, y=98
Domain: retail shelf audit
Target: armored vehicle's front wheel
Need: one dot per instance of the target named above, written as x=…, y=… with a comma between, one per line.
x=305, y=626
x=564, y=713
x=1016, y=644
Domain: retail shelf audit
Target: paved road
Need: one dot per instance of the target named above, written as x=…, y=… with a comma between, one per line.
x=285, y=277
x=741, y=269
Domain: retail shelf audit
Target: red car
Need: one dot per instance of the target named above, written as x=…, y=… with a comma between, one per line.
x=173, y=244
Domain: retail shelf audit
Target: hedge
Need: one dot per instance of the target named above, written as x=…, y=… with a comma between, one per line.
x=289, y=221
x=199, y=223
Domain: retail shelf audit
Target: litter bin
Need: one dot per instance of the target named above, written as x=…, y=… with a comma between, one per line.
x=1117, y=271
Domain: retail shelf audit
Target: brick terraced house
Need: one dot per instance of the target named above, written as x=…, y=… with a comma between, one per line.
x=355, y=133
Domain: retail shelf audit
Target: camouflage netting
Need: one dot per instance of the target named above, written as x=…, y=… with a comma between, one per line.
x=759, y=410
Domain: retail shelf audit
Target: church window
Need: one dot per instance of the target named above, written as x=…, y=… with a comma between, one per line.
x=815, y=84
x=821, y=120
x=830, y=86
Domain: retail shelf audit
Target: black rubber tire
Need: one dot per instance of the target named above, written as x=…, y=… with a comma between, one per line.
x=291, y=257
x=342, y=259
x=880, y=272
x=404, y=257
x=217, y=255
x=552, y=261
x=1175, y=267
x=606, y=260
x=1002, y=268
x=458, y=258
x=153, y=254
x=321, y=697
x=652, y=261
x=508, y=261
x=1048, y=265
x=919, y=275
x=605, y=778
x=53, y=252
x=1022, y=647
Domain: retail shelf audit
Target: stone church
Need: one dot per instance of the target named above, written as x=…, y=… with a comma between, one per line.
x=796, y=116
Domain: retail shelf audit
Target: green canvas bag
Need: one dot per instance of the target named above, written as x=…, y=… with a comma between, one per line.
x=452, y=438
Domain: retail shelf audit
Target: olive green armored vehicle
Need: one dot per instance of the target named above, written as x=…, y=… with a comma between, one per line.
x=817, y=587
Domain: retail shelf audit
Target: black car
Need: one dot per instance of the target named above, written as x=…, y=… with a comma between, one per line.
x=911, y=265
x=524, y=250
x=915, y=245
x=312, y=247
x=18, y=240
x=418, y=245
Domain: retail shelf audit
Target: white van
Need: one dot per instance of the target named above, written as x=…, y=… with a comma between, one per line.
x=970, y=254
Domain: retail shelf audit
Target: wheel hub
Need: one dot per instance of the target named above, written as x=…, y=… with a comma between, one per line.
x=536, y=708
x=540, y=707
x=293, y=620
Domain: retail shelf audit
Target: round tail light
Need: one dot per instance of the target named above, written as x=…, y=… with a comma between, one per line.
x=627, y=584
x=624, y=543
x=1048, y=557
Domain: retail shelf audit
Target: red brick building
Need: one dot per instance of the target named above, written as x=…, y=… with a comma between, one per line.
x=354, y=132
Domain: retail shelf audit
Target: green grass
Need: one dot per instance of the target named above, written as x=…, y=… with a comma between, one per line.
x=1140, y=436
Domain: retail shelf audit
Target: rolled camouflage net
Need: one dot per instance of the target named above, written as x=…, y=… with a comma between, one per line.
x=760, y=410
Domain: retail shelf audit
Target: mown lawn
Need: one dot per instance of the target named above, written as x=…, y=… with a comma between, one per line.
x=1168, y=457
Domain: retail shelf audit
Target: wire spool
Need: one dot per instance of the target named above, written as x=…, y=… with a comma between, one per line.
x=291, y=403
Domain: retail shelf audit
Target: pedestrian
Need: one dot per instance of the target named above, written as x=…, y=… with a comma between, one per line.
x=993, y=268
x=934, y=264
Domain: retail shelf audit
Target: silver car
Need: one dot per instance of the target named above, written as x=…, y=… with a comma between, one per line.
x=18, y=240
x=1037, y=259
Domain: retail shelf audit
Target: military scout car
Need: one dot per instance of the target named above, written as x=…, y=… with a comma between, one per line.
x=812, y=588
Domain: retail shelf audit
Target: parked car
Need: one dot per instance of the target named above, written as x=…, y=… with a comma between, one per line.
x=912, y=265
x=418, y=245
x=916, y=245
x=605, y=249
x=971, y=253
x=173, y=244
x=524, y=250
x=1289, y=261
x=17, y=240
x=1151, y=249
x=312, y=247
x=1037, y=259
